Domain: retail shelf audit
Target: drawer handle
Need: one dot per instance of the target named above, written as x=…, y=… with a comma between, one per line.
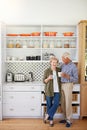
x=32, y=87
x=11, y=87
x=11, y=97
x=32, y=97
x=11, y=109
x=32, y=109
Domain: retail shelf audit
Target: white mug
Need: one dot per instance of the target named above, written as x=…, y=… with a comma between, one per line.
x=59, y=74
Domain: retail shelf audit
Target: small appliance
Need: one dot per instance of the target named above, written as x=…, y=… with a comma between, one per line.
x=9, y=76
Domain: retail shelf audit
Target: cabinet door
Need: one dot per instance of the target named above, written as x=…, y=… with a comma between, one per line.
x=83, y=100
x=83, y=51
x=21, y=104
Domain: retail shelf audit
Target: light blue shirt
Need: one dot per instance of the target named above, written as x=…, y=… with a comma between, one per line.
x=71, y=70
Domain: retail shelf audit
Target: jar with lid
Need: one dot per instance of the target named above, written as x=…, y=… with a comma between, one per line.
x=45, y=44
x=18, y=44
x=72, y=43
x=10, y=44
x=37, y=44
x=59, y=44
x=31, y=44
x=66, y=43
x=52, y=44
x=24, y=45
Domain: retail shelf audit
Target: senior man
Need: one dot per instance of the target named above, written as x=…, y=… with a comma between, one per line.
x=69, y=76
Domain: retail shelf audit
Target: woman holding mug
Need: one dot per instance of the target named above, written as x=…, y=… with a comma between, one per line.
x=52, y=89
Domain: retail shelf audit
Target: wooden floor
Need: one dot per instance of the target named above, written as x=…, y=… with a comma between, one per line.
x=37, y=124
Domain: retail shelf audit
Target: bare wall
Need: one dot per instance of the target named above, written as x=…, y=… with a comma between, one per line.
x=43, y=11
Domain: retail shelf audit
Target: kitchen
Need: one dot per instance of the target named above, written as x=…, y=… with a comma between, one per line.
x=26, y=54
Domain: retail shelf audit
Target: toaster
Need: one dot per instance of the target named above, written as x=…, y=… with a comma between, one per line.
x=19, y=77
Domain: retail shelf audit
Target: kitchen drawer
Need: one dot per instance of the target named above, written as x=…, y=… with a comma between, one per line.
x=22, y=88
x=21, y=110
x=22, y=97
x=76, y=98
x=76, y=87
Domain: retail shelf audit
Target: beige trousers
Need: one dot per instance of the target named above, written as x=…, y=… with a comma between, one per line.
x=66, y=100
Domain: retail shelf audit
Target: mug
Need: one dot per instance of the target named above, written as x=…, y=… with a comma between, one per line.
x=59, y=74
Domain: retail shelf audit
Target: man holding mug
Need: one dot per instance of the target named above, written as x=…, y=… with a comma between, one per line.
x=69, y=75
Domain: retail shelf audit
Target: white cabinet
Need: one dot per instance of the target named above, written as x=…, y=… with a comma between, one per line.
x=22, y=102
x=38, y=42
x=75, y=104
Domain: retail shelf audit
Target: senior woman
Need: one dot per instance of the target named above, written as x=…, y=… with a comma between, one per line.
x=52, y=89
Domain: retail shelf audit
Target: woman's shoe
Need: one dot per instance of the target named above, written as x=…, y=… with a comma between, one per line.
x=51, y=123
x=45, y=118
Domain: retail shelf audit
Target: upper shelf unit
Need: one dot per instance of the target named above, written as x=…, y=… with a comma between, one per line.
x=26, y=42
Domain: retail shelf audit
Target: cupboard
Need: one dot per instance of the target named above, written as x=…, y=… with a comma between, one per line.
x=82, y=26
x=28, y=48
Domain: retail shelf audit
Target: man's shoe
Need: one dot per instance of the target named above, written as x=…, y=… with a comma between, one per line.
x=68, y=124
x=62, y=121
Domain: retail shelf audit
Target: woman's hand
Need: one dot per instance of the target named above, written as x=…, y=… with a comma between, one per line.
x=50, y=77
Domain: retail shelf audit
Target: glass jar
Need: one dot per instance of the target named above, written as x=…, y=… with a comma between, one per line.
x=45, y=44
x=52, y=44
x=31, y=44
x=10, y=44
x=24, y=45
x=72, y=43
x=37, y=44
x=66, y=43
x=18, y=44
x=59, y=44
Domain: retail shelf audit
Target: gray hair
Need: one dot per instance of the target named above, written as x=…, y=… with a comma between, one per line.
x=66, y=55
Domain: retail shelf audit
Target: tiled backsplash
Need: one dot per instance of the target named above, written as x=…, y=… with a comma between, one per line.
x=36, y=67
